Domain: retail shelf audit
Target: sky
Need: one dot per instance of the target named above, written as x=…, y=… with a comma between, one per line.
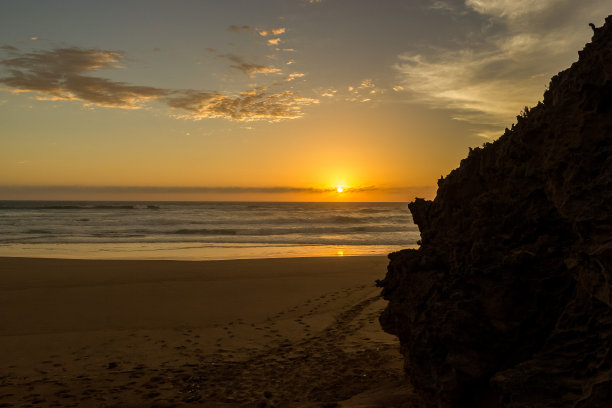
x=286, y=100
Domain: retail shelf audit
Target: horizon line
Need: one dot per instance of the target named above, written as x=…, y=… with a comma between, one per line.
x=206, y=201
x=201, y=189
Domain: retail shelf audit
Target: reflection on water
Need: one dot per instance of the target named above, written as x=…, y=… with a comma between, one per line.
x=188, y=230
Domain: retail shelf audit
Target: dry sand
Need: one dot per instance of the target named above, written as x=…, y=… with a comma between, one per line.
x=242, y=333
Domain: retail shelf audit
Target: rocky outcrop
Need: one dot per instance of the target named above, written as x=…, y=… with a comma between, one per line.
x=508, y=300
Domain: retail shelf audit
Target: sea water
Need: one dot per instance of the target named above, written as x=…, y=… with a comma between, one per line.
x=202, y=230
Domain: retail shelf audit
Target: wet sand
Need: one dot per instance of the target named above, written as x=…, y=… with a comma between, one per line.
x=270, y=332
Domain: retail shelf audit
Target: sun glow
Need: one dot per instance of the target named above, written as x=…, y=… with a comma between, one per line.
x=339, y=189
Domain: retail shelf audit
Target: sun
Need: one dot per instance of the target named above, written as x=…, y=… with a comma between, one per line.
x=339, y=189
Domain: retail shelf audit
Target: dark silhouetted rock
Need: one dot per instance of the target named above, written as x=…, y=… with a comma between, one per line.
x=508, y=300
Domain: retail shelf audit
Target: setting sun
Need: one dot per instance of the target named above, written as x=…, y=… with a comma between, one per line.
x=339, y=189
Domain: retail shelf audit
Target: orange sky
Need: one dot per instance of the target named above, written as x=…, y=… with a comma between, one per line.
x=266, y=101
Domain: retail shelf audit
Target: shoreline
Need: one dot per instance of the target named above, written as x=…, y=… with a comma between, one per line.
x=190, y=252
x=280, y=331
x=203, y=231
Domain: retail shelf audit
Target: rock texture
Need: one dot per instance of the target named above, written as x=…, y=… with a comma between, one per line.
x=507, y=303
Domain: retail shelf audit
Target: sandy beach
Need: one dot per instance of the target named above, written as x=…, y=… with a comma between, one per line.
x=261, y=333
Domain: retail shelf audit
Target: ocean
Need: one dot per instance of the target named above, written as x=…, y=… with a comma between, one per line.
x=202, y=230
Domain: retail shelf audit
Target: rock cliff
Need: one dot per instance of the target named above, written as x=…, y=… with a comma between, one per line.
x=508, y=301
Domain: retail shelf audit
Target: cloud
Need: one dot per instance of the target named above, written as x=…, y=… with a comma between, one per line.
x=294, y=75
x=258, y=103
x=247, y=67
x=69, y=60
x=501, y=64
x=273, y=31
x=326, y=92
x=445, y=5
x=364, y=92
x=463, y=80
x=58, y=75
x=238, y=29
x=67, y=74
x=510, y=8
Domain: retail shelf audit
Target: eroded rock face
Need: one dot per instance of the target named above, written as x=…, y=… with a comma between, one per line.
x=508, y=300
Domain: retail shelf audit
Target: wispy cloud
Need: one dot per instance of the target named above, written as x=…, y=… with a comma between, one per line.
x=502, y=67
x=59, y=75
x=272, y=31
x=326, y=92
x=462, y=80
x=364, y=92
x=445, y=5
x=249, y=68
x=511, y=8
x=69, y=60
x=67, y=74
x=239, y=29
x=294, y=75
x=258, y=103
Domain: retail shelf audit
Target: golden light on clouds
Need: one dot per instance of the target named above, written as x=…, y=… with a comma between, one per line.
x=67, y=74
x=273, y=31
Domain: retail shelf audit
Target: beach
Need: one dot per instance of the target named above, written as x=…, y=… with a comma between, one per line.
x=132, y=333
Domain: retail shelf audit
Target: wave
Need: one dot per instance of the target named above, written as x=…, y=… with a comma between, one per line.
x=365, y=235
x=114, y=207
x=267, y=240
x=117, y=235
x=205, y=232
x=346, y=219
x=38, y=231
x=156, y=215
x=303, y=230
x=373, y=211
x=76, y=207
x=324, y=230
x=143, y=224
x=401, y=220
